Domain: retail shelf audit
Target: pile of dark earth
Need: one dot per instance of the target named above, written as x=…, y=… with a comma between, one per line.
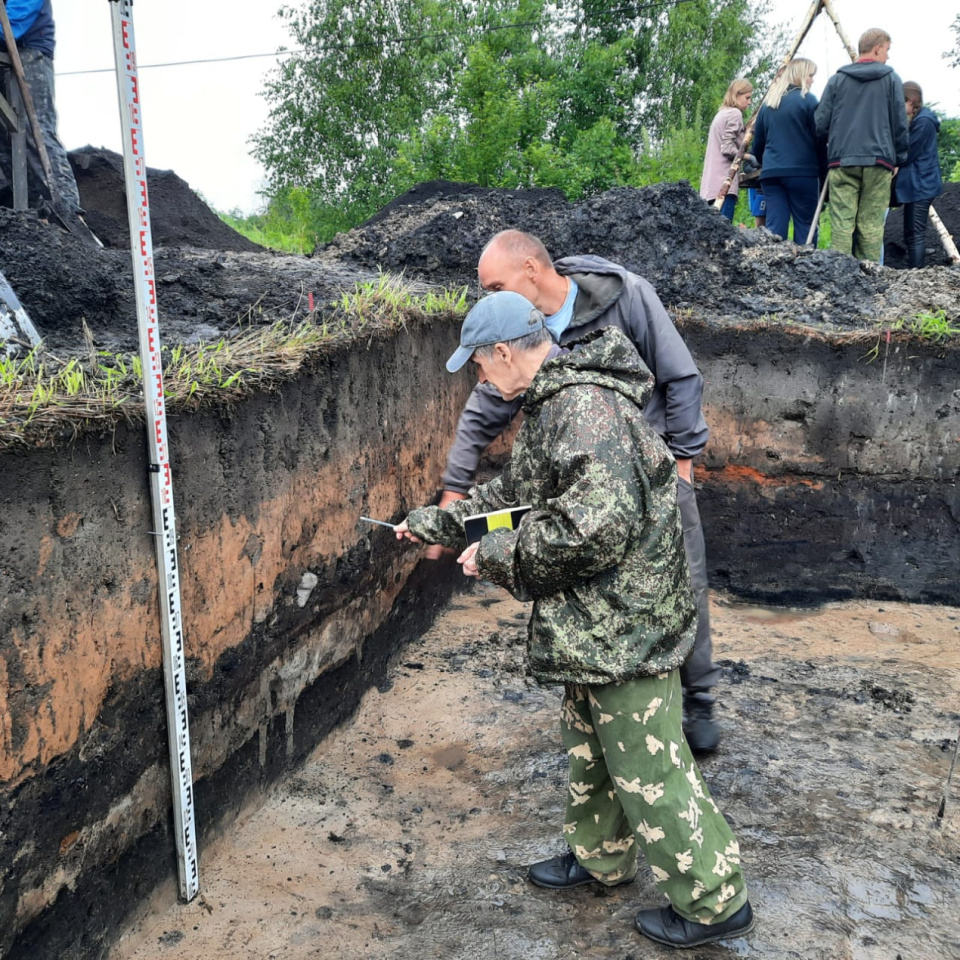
x=178, y=216
x=212, y=282
x=697, y=261
x=947, y=206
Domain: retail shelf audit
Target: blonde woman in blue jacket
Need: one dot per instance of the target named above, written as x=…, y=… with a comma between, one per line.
x=785, y=145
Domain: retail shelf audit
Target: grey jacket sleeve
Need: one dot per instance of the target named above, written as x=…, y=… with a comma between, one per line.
x=824, y=112
x=899, y=123
x=681, y=422
x=485, y=416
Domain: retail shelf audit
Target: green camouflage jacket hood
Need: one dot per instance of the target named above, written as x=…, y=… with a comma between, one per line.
x=601, y=551
x=607, y=362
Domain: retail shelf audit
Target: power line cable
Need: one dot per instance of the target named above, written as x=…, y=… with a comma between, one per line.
x=184, y=63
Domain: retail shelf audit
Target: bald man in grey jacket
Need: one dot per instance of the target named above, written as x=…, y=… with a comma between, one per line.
x=579, y=295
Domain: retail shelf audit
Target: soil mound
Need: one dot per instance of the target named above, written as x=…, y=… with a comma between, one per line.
x=60, y=280
x=178, y=216
x=696, y=260
x=431, y=190
x=201, y=294
x=700, y=264
x=947, y=206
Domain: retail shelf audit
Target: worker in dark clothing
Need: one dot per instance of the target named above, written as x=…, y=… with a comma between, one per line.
x=578, y=295
x=33, y=32
x=919, y=181
x=864, y=122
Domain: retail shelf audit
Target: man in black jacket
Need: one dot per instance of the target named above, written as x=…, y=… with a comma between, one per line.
x=579, y=295
x=863, y=119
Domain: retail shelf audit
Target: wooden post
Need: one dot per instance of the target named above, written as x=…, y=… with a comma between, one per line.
x=832, y=14
x=18, y=148
x=815, y=222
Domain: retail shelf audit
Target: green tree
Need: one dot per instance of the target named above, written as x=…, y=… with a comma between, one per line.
x=566, y=93
x=342, y=108
x=949, y=147
x=954, y=55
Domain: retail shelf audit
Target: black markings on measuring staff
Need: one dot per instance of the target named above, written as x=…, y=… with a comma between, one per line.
x=158, y=468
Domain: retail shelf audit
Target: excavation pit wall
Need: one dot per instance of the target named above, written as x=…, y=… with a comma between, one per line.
x=291, y=610
x=831, y=472
x=833, y=463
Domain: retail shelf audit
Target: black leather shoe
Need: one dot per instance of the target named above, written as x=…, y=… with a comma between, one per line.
x=560, y=873
x=666, y=926
x=700, y=728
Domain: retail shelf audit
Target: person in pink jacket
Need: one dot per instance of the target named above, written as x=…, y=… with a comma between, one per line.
x=723, y=142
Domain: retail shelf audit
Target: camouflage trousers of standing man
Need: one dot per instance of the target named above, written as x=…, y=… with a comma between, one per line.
x=859, y=199
x=634, y=784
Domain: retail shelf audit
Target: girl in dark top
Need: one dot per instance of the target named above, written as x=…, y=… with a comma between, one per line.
x=918, y=182
x=785, y=145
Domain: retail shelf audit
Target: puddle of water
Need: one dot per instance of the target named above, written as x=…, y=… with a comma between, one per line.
x=757, y=613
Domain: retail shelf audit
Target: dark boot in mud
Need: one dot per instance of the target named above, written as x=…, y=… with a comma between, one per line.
x=699, y=726
x=665, y=925
x=563, y=872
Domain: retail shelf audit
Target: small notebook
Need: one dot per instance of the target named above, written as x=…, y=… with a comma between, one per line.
x=482, y=523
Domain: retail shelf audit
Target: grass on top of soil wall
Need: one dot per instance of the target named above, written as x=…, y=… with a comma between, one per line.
x=44, y=398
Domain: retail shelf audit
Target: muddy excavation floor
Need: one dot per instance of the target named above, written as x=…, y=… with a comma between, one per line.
x=407, y=833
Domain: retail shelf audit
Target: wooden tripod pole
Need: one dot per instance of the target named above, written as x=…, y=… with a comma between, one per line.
x=945, y=237
x=748, y=133
x=815, y=222
x=832, y=14
x=844, y=39
x=27, y=100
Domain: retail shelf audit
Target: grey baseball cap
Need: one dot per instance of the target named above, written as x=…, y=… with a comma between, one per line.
x=497, y=318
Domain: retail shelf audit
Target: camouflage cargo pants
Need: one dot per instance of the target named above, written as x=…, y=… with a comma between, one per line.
x=634, y=783
x=859, y=198
x=38, y=72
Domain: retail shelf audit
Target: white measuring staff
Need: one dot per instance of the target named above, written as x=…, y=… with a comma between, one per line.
x=161, y=484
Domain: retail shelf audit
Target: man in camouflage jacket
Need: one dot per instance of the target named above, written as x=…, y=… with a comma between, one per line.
x=601, y=555
x=579, y=295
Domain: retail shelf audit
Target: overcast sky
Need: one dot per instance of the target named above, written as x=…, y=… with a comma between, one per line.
x=197, y=119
